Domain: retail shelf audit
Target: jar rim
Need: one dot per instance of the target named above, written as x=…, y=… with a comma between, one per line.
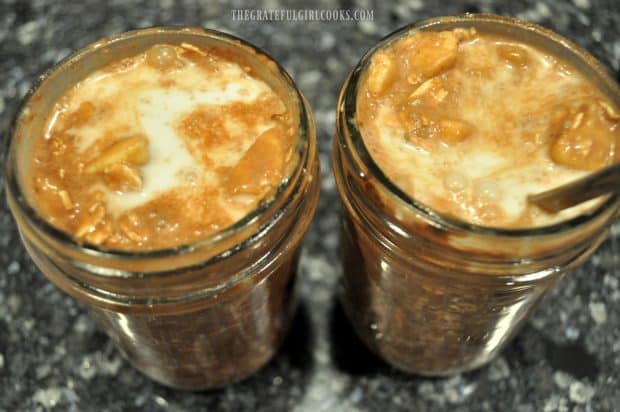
x=348, y=130
x=303, y=143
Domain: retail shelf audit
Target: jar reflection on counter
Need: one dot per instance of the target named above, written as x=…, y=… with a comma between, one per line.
x=431, y=294
x=195, y=316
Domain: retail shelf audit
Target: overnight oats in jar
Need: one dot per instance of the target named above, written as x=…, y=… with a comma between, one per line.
x=443, y=130
x=166, y=178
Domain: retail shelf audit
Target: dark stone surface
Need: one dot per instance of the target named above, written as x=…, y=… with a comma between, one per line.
x=53, y=357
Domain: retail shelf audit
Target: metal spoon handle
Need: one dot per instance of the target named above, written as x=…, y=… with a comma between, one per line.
x=571, y=194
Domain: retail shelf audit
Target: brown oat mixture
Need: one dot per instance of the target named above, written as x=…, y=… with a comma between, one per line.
x=161, y=149
x=469, y=124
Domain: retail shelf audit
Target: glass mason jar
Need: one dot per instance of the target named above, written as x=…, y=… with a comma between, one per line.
x=431, y=294
x=194, y=316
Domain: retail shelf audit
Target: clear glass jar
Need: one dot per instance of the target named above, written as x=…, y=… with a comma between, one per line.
x=431, y=294
x=195, y=316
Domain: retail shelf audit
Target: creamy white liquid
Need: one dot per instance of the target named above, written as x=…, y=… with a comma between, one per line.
x=495, y=165
x=140, y=99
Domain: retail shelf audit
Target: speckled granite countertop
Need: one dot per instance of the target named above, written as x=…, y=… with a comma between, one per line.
x=53, y=357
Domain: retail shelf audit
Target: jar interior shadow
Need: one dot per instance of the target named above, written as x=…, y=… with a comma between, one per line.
x=290, y=368
x=350, y=355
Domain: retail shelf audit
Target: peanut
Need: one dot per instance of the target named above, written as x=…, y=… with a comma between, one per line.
x=580, y=146
x=122, y=178
x=382, y=74
x=454, y=131
x=161, y=56
x=514, y=55
x=133, y=150
x=434, y=54
x=262, y=165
